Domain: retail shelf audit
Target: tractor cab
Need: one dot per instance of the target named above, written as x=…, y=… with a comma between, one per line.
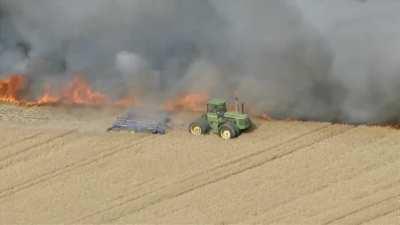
x=217, y=106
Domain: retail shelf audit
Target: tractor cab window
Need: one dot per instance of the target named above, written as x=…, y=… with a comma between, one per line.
x=216, y=108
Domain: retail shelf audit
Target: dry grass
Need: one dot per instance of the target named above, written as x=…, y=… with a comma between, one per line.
x=60, y=166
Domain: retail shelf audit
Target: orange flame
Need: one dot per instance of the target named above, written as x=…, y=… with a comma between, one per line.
x=47, y=98
x=194, y=102
x=79, y=92
x=11, y=88
x=76, y=92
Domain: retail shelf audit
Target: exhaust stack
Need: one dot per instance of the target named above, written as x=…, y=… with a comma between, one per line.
x=239, y=106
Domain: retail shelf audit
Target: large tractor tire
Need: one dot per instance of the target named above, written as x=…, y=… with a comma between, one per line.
x=199, y=127
x=228, y=131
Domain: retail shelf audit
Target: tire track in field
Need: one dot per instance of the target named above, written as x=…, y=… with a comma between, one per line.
x=260, y=218
x=155, y=180
x=141, y=193
x=265, y=219
x=213, y=175
x=68, y=168
x=380, y=202
x=380, y=216
x=380, y=196
x=256, y=153
x=374, y=204
x=11, y=159
x=21, y=140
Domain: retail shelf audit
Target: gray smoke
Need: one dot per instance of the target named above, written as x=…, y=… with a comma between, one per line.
x=320, y=60
x=365, y=41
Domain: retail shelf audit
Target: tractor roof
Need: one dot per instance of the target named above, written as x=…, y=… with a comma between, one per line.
x=217, y=101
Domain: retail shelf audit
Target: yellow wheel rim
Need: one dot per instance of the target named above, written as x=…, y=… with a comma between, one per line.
x=226, y=134
x=196, y=131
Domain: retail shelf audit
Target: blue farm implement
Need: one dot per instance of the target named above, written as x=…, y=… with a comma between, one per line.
x=155, y=123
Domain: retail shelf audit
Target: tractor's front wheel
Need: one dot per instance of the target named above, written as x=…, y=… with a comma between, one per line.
x=227, y=132
x=198, y=128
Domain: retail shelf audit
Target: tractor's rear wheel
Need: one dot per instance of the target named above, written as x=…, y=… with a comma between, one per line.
x=198, y=128
x=227, y=132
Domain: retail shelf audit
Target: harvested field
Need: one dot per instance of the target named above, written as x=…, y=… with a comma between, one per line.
x=59, y=166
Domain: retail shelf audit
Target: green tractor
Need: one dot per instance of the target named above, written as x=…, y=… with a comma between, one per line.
x=218, y=120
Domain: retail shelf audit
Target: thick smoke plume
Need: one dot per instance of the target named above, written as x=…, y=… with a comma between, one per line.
x=321, y=60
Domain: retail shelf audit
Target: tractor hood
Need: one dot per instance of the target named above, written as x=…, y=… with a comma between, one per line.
x=236, y=115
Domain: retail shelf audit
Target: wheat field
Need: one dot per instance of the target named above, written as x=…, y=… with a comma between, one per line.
x=59, y=166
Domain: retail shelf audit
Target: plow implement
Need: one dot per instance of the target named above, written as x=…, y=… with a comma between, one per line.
x=139, y=122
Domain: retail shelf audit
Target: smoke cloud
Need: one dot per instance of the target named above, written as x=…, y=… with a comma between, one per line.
x=319, y=60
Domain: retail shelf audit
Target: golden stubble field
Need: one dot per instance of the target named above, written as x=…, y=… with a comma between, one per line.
x=59, y=166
